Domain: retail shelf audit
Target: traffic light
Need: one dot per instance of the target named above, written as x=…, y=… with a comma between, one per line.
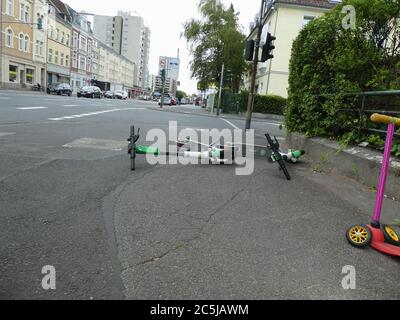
x=249, y=53
x=227, y=76
x=40, y=23
x=268, y=48
x=162, y=73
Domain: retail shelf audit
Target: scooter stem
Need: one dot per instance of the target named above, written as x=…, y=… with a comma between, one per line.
x=384, y=173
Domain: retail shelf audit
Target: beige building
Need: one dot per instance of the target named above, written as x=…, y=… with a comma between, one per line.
x=18, y=70
x=115, y=71
x=284, y=19
x=58, y=43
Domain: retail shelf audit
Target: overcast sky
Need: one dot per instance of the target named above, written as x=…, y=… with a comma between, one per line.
x=165, y=19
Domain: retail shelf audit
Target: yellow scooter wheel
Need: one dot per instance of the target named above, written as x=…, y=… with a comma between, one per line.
x=359, y=236
x=391, y=236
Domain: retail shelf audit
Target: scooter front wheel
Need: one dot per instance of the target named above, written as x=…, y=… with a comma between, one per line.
x=359, y=236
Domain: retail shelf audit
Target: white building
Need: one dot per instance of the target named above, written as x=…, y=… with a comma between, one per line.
x=128, y=36
x=40, y=16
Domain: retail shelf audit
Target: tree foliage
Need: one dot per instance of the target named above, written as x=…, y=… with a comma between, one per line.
x=328, y=59
x=215, y=39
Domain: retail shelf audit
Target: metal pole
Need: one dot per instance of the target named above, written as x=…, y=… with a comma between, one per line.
x=163, y=75
x=220, y=89
x=250, y=102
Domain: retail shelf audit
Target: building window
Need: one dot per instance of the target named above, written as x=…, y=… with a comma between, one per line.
x=9, y=7
x=37, y=47
x=41, y=48
x=50, y=55
x=62, y=37
x=24, y=13
x=74, y=60
x=26, y=44
x=83, y=43
x=21, y=42
x=57, y=35
x=12, y=73
x=66, y=61
x=21, y=12
x=67, y=40
x=30, y=76
x=82, y=63
x=62, y=59
x=56, y=57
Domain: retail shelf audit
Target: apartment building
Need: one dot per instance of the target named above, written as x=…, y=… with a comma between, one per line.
x=128, y=36
x=81, y=51
x=115, y=72
x=58, y=43
x=284, y=19
x=40, y=17
x=170, y=85
x=18, y=69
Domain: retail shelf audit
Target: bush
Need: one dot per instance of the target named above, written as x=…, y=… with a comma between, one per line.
x=327, y=59
x=271, y=104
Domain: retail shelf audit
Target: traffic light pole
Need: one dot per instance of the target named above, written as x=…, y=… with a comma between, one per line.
x=163, y=75
x=250, y=102
x=220, y=89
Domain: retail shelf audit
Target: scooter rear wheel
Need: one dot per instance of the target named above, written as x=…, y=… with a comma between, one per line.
x=391, y=236
x=359, y=236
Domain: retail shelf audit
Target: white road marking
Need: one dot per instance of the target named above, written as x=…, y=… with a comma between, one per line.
x=84, y=115
x=230, y=123
x=5, y=134
x=71, y=105
x=4, y=98
x=32, y=108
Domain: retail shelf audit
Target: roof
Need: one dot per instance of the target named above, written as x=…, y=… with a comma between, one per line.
x=60, y=6
x=327, y=4
x=322, y=4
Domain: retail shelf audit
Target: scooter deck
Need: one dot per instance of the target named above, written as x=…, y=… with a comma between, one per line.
x=258, y=151
x=379, y=244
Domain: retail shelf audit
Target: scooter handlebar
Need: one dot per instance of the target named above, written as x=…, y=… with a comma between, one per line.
x=380, y=118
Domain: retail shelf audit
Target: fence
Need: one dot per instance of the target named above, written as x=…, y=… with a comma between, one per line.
x=364, y=104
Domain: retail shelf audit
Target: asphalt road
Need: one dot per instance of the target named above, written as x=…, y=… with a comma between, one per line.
x=69, y=200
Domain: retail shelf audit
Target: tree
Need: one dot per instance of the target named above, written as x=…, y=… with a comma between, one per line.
x=215, y=39
x=181, y=94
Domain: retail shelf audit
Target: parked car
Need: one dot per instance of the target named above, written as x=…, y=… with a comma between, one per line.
x=90, y=92
x=59, y=88
x=174, y=101
x=119, y=94
x=167, y=101
x=109, y=94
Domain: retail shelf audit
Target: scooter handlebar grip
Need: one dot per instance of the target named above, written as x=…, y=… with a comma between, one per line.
x=380, y=118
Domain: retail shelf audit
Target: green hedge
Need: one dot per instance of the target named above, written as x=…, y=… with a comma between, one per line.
x=271, y=104
x=327, y=59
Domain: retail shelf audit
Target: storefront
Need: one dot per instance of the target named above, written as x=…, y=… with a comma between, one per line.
x=57, y=74
x=18, y=73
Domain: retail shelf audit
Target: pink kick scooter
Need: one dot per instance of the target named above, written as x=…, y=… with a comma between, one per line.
x=380, y=237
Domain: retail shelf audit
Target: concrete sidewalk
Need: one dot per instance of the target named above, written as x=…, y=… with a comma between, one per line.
x=249, y=237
